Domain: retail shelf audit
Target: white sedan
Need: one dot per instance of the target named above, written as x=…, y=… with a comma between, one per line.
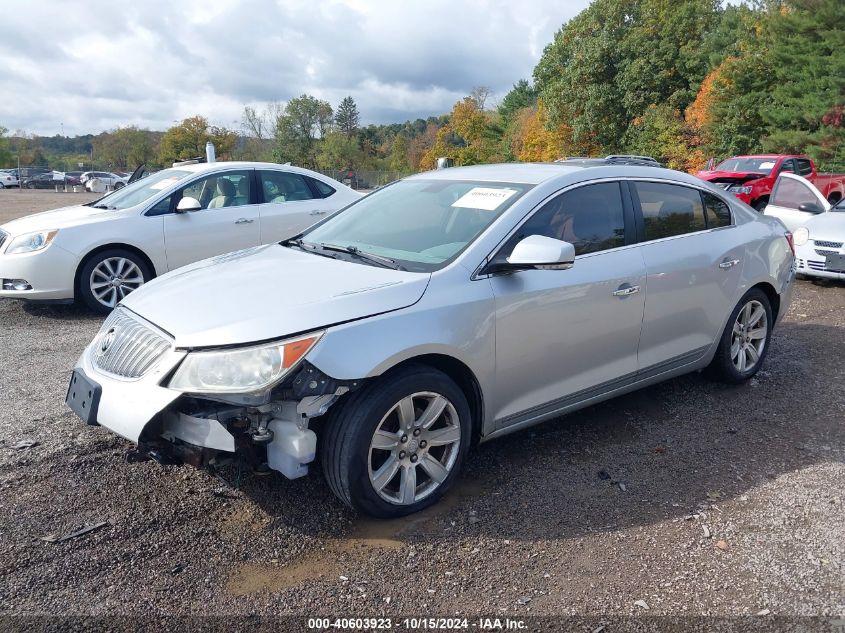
x=97, y=181
x=8, y=179
x=818, y=227
x=102, y=251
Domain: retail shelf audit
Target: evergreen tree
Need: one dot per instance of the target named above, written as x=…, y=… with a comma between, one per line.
x=347, y=118
x=808, y=54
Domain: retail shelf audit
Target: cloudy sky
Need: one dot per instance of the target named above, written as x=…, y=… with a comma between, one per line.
x=94, y=65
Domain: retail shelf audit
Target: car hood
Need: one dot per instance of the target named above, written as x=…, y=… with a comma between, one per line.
x=733, y=177
x=58, y=219
x=269, y=292
x=828, y=226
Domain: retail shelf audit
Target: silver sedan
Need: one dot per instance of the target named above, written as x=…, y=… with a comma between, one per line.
x=448, y=308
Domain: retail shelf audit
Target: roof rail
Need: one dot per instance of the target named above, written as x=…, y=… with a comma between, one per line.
x=623, y=158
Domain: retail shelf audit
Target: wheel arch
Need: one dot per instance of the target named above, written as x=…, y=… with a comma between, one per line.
x=107, y=247
x=773, y=296
x=463, y=377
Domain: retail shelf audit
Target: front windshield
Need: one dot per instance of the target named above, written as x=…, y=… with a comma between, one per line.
x=754, y=165
x=420, y=224
x=141, y=190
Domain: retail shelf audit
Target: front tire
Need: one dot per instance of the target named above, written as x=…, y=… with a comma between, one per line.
x=745, y=340
x=397, y=445
x=108, y=276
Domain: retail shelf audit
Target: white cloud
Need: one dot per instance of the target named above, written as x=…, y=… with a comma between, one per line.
x=96, y=65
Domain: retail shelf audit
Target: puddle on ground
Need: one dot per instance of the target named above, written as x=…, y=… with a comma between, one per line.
x=369, y=533
x=366, y=535
x=268, y=578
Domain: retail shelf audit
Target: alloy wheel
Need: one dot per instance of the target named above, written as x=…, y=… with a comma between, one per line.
x=414, y=448
x=749, y=336
x=114, y=278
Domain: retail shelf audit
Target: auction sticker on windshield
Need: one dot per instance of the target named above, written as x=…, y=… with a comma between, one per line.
x=486, y=198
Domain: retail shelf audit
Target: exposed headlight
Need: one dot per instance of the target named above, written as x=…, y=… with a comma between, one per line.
x=739, y=189
x=31, y=242
x=240, y=370
x=800, y=236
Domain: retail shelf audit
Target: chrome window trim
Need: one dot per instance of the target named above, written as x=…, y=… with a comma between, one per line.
x=476, y=274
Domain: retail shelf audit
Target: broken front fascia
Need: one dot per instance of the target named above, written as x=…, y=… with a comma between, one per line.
x=264, y=429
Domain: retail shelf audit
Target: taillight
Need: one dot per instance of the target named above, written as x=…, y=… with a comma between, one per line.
x=791, y=243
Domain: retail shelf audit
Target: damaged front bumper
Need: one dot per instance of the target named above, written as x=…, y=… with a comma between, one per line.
x=264, y=431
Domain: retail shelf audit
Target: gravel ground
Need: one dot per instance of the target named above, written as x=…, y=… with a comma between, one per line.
x=695, y=498
x=17, y=202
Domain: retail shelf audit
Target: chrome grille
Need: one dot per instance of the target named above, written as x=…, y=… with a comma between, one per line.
x=824, y=253
x=126, y=347
x=821, y=243
x=817, y=265
x=3, y=236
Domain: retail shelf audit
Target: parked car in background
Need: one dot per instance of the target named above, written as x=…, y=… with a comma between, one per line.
x=449, y=307
x=818, y=227
x=45, y=180
x=795, y=201
x=100, y=180
x=8, y=179
x=101, y=251
x=751, y=178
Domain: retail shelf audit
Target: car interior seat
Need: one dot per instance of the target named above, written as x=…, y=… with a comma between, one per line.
x=276, y=190
x=225, y=194
x=243, y=192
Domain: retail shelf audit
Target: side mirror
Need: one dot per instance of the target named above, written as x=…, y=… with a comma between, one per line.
x=811, y=207
x=188, y=204
x=538, y=252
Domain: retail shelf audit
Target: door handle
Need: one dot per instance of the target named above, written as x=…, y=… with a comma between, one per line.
x=318, y=212
x=244, y=221
x=728, y=263
x=625, y=290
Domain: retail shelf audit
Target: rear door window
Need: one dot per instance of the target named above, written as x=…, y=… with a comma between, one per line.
x=284, y=186
x=805, y=167
x=669, y=210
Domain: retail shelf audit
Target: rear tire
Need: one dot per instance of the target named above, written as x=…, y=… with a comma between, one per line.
x=745, y=341
x=760, y=205
x=108, y=276
x=382, y=456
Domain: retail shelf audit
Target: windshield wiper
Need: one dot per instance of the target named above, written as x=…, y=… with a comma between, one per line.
x=305, y=246
x=357, y=252
x=101, y=206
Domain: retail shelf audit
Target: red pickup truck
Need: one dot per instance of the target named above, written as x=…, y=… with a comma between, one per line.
x=751, y=178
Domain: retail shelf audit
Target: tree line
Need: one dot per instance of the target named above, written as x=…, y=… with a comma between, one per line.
x=680, y=80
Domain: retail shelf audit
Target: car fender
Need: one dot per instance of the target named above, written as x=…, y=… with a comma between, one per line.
x=464, y=331
x=145, y=234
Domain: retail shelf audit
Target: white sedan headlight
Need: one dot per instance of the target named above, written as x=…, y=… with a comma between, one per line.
x=240, y=370
x=31, y=242
x=801, y=236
